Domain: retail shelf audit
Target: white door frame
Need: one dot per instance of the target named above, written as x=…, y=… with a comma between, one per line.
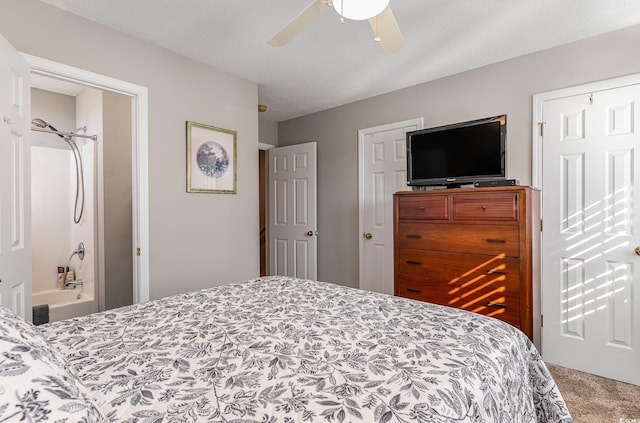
x=140, y=140
x=362, y=133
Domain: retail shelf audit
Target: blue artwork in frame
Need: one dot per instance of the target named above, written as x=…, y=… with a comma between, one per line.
x=211, y=159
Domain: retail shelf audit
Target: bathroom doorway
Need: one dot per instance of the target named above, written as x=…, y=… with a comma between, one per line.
x=263, y=195
x=104, y=278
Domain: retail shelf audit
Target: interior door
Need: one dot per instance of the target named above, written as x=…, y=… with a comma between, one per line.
x=15, y=197
x=383, y=171
x=293, y=236
x=591, y=214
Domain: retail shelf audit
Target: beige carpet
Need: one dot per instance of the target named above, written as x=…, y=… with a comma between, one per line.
x=594, y=399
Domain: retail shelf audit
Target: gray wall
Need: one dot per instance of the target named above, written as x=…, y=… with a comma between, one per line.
x=118, y=233
x=196, y=240
x=268, y=132
x=505, y=87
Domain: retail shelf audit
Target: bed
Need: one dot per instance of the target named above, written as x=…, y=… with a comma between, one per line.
x=281, y=349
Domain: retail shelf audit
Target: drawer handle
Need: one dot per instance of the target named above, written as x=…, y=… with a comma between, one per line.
x=414, y=262
x=417, y=291
x=421, y=208
x=483, y=207
x=496, y=272
x=494, y=304
x=496, y=241
x=413, y=236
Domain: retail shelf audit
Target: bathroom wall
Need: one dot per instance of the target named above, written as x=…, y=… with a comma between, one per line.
x=89, y=114
x=53, y=179
x=52, y=163
x=118, y=233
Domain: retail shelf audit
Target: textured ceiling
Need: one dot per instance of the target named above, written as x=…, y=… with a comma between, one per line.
x=329, y=63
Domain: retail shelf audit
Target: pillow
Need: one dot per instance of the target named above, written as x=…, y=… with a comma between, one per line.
x=36, y=382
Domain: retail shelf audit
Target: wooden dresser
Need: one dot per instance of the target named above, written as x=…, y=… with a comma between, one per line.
x=475, y=249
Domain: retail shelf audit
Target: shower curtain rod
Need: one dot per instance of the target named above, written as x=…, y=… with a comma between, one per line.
x=68, y=134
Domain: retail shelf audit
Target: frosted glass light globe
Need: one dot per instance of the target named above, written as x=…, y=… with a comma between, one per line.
x=359, y=10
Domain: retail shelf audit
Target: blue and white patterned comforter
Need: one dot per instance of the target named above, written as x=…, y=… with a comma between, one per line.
x=288, y=350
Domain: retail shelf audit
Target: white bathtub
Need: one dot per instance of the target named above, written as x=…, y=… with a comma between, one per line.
x=68, y=303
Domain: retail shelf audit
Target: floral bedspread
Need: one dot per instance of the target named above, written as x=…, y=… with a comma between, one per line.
x=280, y=349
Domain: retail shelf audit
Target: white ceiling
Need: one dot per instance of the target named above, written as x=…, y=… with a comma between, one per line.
x=329, y=63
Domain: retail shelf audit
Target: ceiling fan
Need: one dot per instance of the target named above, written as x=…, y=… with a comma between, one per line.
x=378, y=12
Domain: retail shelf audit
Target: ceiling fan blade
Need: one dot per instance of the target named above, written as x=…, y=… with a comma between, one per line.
x=385, y=26
x=298, y=23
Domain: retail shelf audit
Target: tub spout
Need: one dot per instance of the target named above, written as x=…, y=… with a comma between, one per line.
x=73, y=283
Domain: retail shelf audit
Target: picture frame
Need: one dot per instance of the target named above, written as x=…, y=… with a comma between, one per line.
x=211, y=159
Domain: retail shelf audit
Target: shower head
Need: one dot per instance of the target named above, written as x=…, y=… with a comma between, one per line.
x=37, y=122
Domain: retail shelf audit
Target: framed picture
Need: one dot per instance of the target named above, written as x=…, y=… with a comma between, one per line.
x=211, y=159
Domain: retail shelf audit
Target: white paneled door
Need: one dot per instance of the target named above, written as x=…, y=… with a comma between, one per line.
x=591, y=203
x=293, y=236
x=15, y=200
x=383, y=171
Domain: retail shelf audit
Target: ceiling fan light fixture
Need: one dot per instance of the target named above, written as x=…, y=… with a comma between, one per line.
x=359, y=10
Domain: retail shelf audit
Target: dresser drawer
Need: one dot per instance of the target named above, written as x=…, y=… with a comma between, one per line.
x=435, y=294
x=475, y=239
x=424, y=207
x=496, y=299
x=489, y=206
x=457, y=268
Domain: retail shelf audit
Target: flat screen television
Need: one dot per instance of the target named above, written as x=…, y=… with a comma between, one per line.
x=457, y=154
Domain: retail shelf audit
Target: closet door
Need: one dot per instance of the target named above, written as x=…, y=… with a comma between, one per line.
x=591, y=257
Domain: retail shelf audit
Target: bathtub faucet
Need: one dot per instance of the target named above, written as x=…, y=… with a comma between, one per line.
x=73, y=283
x=79, y=251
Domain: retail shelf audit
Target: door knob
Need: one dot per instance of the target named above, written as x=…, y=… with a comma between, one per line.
x=310, y=233
x=368, y=235
x=638, y=250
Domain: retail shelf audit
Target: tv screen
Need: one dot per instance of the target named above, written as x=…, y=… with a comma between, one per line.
x=461, y=153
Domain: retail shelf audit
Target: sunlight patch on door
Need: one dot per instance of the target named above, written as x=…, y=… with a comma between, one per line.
x=572, y=308
x=619, y=300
